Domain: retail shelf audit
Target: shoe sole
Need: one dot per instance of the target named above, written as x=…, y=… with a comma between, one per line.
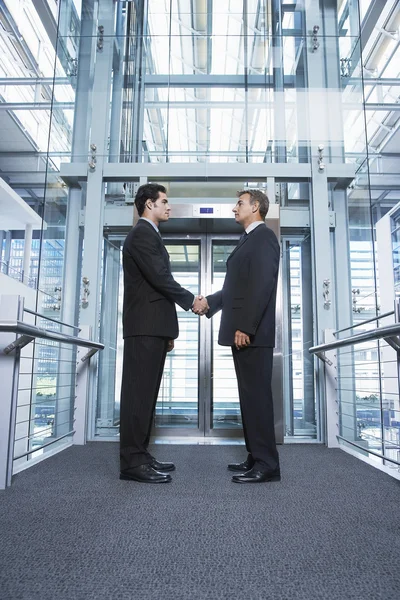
x=256, y=480
x=127, y=478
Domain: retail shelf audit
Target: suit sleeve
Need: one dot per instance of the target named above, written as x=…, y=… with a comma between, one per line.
x=263, y=272
x=215, y=303
x=146, y=253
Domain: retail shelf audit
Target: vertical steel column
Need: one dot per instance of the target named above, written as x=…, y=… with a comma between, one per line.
x=301, y=101
x=205, y=348
x=344, y=307
x=271, y=190
x=27, y=253
x=2, y=238
x=307, y=326
x=11, y=308
x=139, y=80
x=330, y=47
x=278, y=81
x=94, y=210
x=319, y=203
x=109, y=328
x=7, y=252
x=80, y=143
x=70, y=292
x=332, y=405
x=117, y=93
x=82, y=380
x=286, y=317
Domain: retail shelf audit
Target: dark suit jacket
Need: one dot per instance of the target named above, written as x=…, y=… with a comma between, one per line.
x=150, y=291
x=248, y=296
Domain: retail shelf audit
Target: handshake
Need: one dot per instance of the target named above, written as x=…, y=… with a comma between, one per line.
x=200, y=306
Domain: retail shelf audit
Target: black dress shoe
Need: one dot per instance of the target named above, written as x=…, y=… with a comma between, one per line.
x=256, y=476
x=145, y=474
x=162, y=466
x=242, y=467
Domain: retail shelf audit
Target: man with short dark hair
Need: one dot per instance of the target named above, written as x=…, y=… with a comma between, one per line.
x=247, y=301
x=150, y=326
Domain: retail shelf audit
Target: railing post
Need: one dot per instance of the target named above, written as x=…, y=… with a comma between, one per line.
x=11, y=308
x=331, y=383
x=82, y=391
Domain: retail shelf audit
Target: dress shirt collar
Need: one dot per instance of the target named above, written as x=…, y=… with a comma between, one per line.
x=151, y=223
x=253, y=225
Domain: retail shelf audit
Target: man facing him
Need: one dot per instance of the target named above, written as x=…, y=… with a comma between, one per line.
x=150, y=326
x=247, y=301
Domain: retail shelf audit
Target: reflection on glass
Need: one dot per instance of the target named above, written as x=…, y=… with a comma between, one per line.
x=177, y=404
x=225, y=397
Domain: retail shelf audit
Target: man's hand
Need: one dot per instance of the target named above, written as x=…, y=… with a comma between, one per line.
x=242, y=340
x=170, y=345
x=200, y=306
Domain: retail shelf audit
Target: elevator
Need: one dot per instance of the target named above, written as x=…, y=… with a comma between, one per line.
x=198, y=394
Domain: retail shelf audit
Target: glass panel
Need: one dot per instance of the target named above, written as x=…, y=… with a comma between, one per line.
x=45, y=408
x=396, y=250
x=368, y=388
x=110, y=359
x=300, y=407
x=225, y=398
x=177, y=404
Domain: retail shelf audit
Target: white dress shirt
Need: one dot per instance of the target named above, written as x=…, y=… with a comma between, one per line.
x=253, y=226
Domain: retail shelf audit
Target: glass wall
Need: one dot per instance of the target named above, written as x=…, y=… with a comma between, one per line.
x=184, y=84
x=369, y=77
x=38, y=73
x=299, y=386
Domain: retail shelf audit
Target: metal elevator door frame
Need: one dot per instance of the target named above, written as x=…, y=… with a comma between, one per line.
x=215, y=418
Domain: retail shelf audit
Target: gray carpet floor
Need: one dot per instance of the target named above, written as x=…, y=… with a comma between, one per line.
x=70, y=530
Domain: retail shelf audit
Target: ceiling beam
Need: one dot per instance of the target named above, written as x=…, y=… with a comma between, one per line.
x=48, y=13
x=34, y=81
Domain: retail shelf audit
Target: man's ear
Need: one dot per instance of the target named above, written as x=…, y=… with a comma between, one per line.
x=256, y=206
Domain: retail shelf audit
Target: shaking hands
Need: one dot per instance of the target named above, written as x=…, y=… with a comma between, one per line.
x=200, y=306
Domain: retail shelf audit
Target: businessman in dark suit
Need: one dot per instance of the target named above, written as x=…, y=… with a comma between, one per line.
x=150, y=326
x=247, y=301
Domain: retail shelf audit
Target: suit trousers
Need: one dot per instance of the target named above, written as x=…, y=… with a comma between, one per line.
x=253, y=367
x=143, y=365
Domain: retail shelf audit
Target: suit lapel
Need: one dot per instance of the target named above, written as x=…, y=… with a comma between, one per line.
x=158, y=235
x=240, y=244
x=244, y=240
x=162, y=244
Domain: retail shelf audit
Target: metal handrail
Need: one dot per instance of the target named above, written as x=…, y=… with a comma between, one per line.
x=368, y=450
x=375, y=334
x=388, y=314
x=32, y=312
x=61, y=437
x=32, y=331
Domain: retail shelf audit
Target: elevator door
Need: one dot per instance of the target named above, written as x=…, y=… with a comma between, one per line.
x=198, y=393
